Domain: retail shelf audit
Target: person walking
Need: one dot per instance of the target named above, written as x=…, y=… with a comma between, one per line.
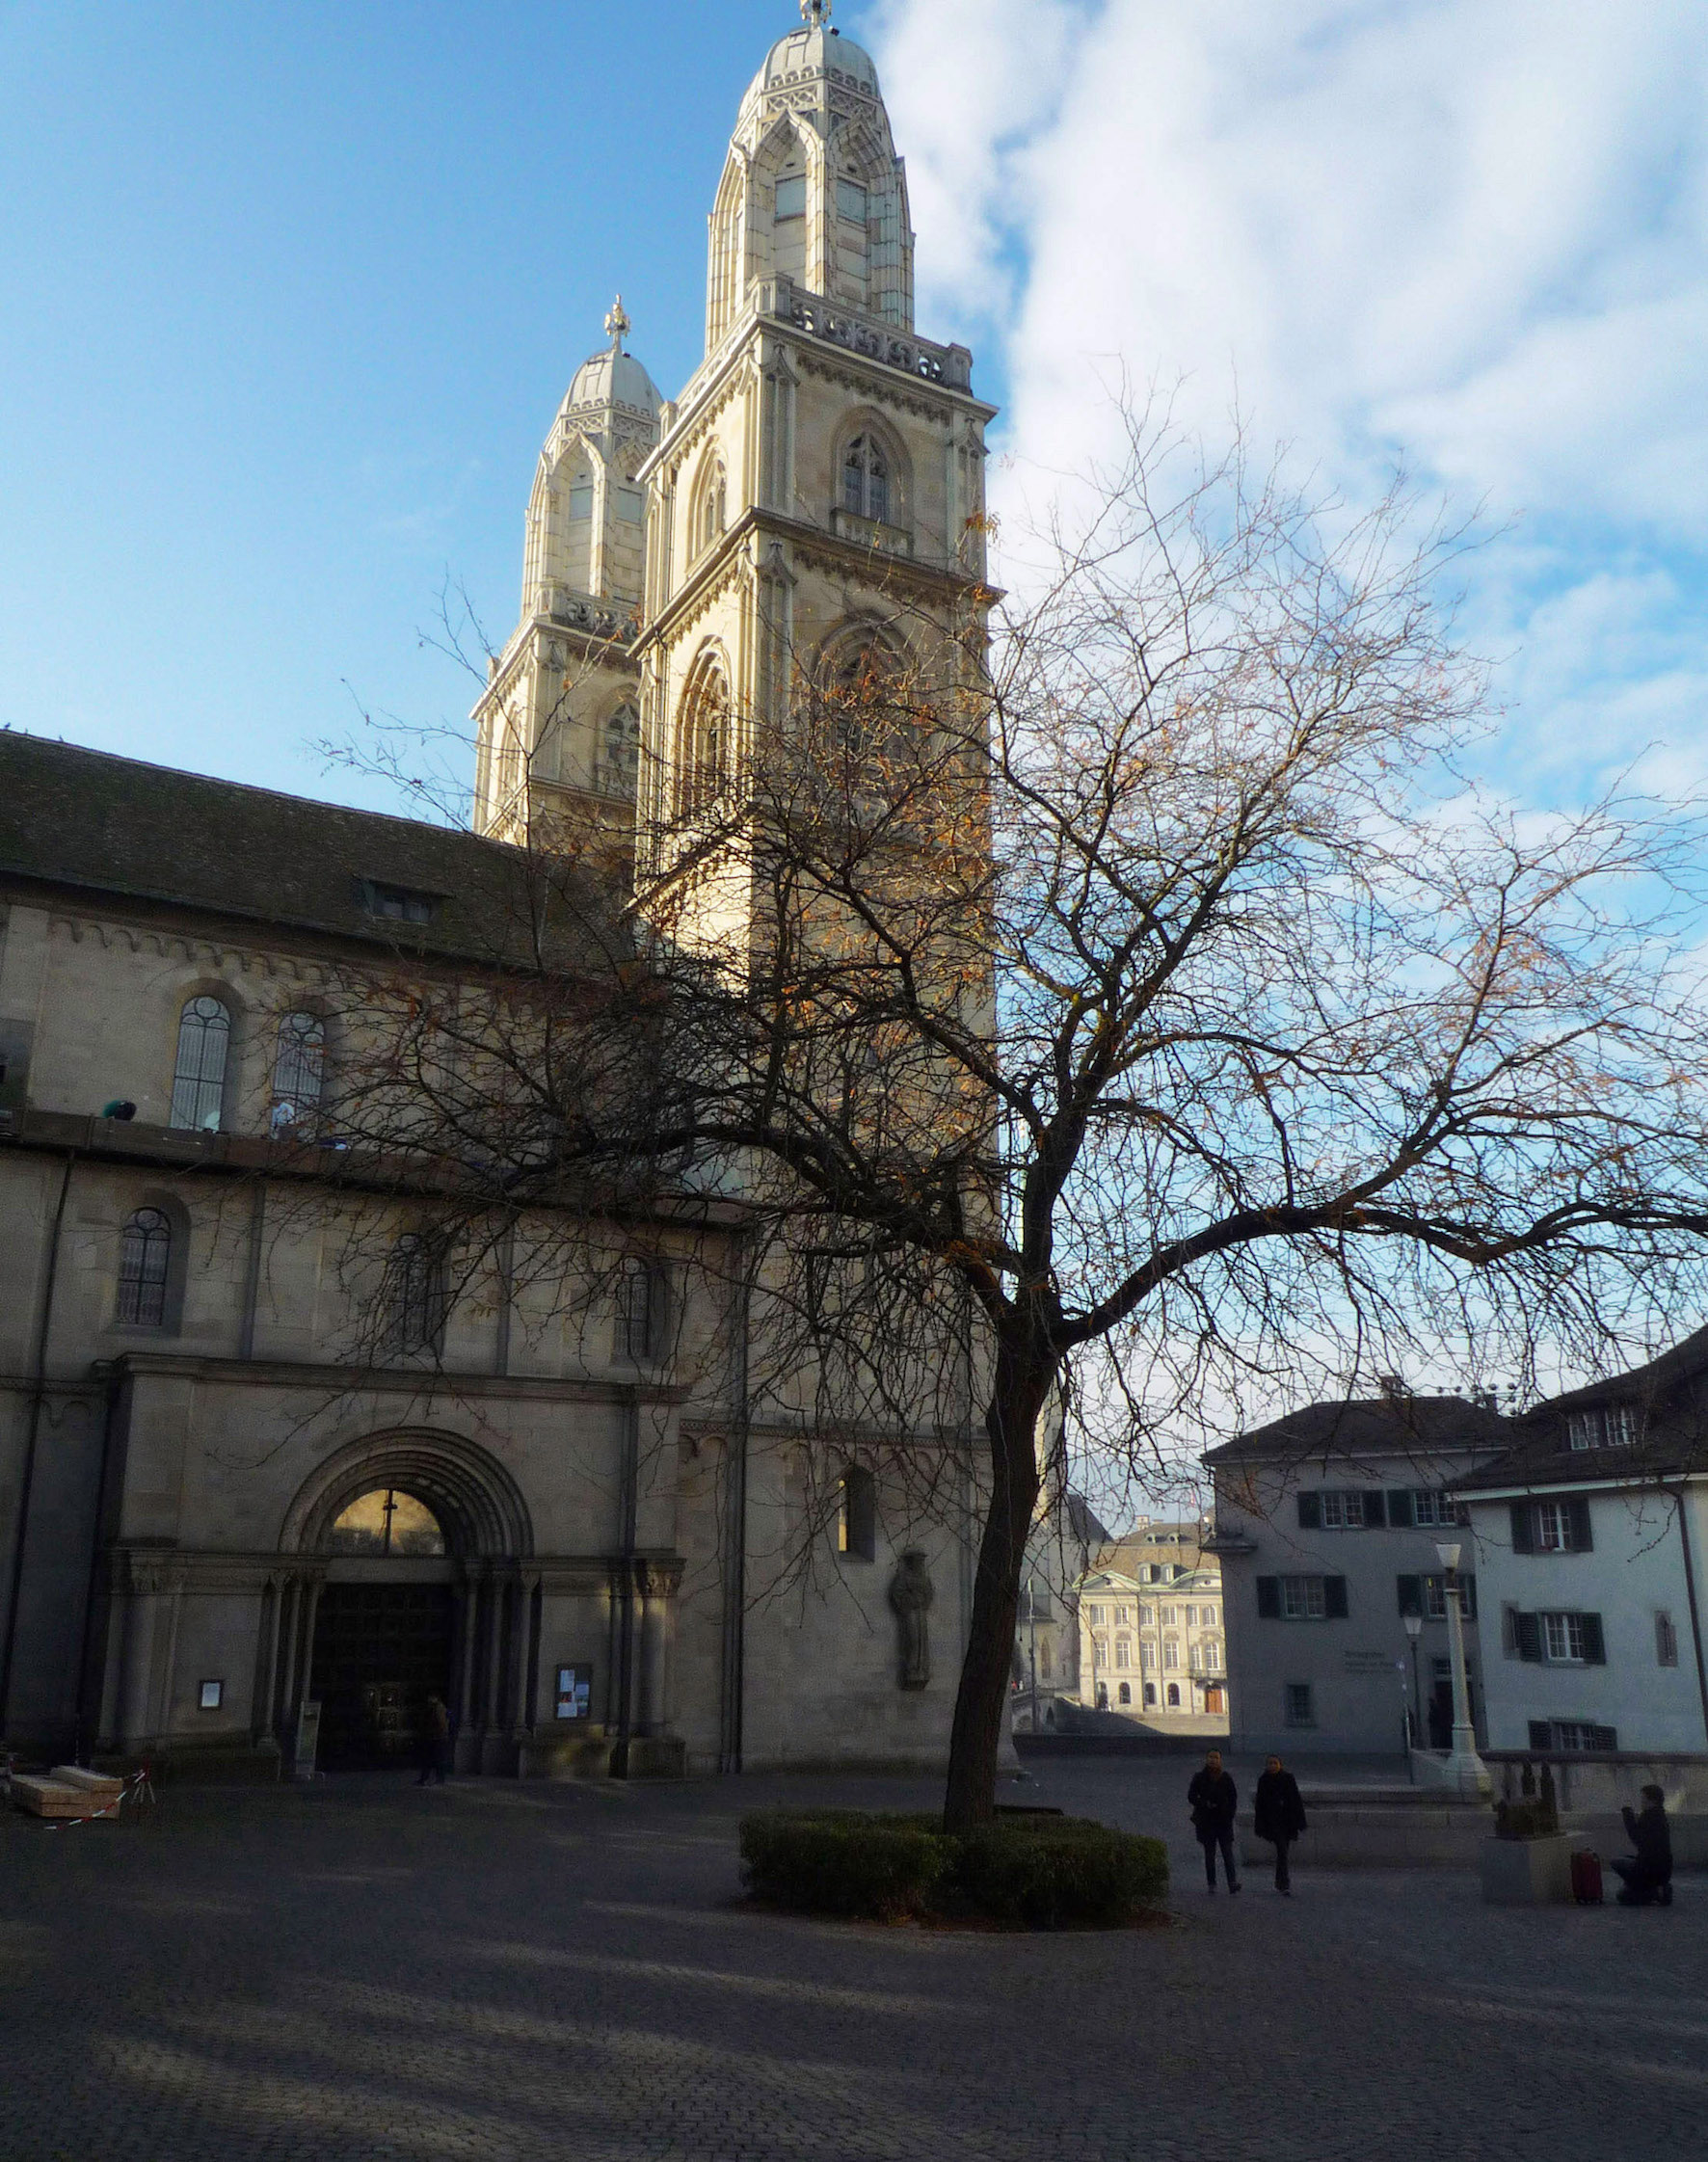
x=436, y=1742
x=1647, y=1873
x=1213, y=1798
x=1278, y=1815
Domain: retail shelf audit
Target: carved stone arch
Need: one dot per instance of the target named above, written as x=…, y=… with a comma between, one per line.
x=702, y=750
x=479, y=1507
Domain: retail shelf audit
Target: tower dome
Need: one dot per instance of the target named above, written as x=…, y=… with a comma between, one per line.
x=611, y=377
x=811, y=54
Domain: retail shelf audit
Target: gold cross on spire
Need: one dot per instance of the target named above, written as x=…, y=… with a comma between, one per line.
x=617, y=324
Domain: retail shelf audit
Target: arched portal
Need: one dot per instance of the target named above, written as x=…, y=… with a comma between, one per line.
x=407, y=1592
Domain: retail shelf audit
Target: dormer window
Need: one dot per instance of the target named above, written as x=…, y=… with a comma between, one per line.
x=397, y=904
x=1611, y=1426
x=791, y=197
x=865, y=480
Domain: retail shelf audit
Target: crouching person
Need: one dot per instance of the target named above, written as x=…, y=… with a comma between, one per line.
x=1647, y=1873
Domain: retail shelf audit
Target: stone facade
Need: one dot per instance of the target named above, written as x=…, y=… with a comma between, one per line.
x=627, y=1563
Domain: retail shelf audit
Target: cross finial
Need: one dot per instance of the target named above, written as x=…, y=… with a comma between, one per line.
x=617, y=324
x=816, y=11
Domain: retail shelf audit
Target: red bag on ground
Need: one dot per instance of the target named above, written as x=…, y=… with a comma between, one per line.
x=1585, y=1878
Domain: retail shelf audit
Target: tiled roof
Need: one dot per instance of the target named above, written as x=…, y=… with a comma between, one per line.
x=75, y=818
x=1369, y=1426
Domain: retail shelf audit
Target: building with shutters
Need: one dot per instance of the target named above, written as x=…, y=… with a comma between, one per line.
x=1325, y=1530
x=1591, y=1538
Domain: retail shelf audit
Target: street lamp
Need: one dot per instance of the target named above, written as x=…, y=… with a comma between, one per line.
x=1414, y=1629
x=1465, y=1769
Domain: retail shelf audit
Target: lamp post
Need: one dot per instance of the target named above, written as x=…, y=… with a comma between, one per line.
x=1414, y=1629
x=1465, y=1769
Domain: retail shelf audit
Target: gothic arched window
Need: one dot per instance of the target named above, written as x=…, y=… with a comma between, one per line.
x=299, y=1069
x=702, y=739
x=866, y=479
x=145, y=1269
x=619, y=753
x=415, y=1294
x=712, y=513
x=199, y=1075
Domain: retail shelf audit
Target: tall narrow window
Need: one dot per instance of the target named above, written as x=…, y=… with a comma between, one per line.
x=415, y=1294
x=791, y=197
x=865, y=480
x=299, y=1068
x=619, y=753
x=144, y=1268
x=857, y=1514
x=702, y=745
x=640, y=1310
x=199, y=1078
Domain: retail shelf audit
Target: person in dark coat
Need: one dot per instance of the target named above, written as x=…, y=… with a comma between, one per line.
x=1648, y=1873
x=1211, y=1797
x=1278, y=1815
x=436, y=1742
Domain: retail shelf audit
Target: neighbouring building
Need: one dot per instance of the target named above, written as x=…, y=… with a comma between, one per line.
x=1591, y=1538
x=1325, y=1529
x=1152, y=1633
x=1046, y=1671
x=217, y=1517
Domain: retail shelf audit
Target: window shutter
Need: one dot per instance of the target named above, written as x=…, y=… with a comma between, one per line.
x=1541, y=1734
x=1527, y=1630
x=1310, y=1513
x=1334, y=1598
x=1468, y=1591
x=1582, y=1538
x=1269, y=1599
x=1376, y=1516
x=1400, y=1513
x=1411, y=1594
x=1523, y=1540
x=1594, y=1641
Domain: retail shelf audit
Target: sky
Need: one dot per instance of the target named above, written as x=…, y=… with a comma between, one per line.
x=292, y=292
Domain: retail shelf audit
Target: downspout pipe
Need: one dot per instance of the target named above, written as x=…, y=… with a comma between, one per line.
x=1690, y=1594
x=38, y=1397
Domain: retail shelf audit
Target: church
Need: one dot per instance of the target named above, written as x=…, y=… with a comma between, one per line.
x=245, y=1533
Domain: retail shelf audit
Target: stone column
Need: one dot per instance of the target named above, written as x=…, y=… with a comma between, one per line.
x=260, y=1721
x=493, y=1708
x=285, y=1681
x=470, y=1644
x=137, y=1688
x=654, y=1588
x=522, y=1632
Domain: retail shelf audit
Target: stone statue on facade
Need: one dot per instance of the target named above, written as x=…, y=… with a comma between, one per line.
x=911, y=1593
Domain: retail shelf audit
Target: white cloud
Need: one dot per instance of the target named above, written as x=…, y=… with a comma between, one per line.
x=1477, y=229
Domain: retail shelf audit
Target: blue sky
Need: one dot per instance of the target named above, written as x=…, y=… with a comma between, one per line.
x=291, y=293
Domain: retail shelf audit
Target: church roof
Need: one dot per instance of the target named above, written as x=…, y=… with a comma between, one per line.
x=86, y=820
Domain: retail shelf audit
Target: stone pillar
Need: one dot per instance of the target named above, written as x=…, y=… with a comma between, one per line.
x=137, y=1688
x=285, y=1681
x=522, y=1666
x=470, y=1645
x=654, y=1588
x=260, y=1721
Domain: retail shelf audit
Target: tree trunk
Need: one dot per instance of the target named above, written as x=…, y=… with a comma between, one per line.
x=1018, y=1392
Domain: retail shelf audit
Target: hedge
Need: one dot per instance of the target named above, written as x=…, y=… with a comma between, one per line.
x=1029, y=1873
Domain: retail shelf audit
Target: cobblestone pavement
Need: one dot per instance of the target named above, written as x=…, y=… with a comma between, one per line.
x=365, y=1970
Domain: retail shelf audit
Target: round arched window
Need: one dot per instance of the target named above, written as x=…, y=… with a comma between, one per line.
x=387, y=1521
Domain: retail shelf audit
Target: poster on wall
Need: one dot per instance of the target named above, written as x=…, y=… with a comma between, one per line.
x=575, y=1692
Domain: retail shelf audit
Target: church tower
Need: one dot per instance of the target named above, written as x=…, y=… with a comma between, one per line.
x=818, y=486
x=558, y=725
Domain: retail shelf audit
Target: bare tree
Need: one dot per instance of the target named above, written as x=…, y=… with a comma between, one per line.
x=1138, y=1012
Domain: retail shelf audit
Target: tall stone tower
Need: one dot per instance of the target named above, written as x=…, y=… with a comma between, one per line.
x=818, y=486
x=558, y=725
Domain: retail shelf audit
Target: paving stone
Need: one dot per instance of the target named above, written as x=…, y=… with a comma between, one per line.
x=367, y=1972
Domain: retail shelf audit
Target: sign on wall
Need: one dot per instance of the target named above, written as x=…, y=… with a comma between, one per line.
x=575, y=1692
